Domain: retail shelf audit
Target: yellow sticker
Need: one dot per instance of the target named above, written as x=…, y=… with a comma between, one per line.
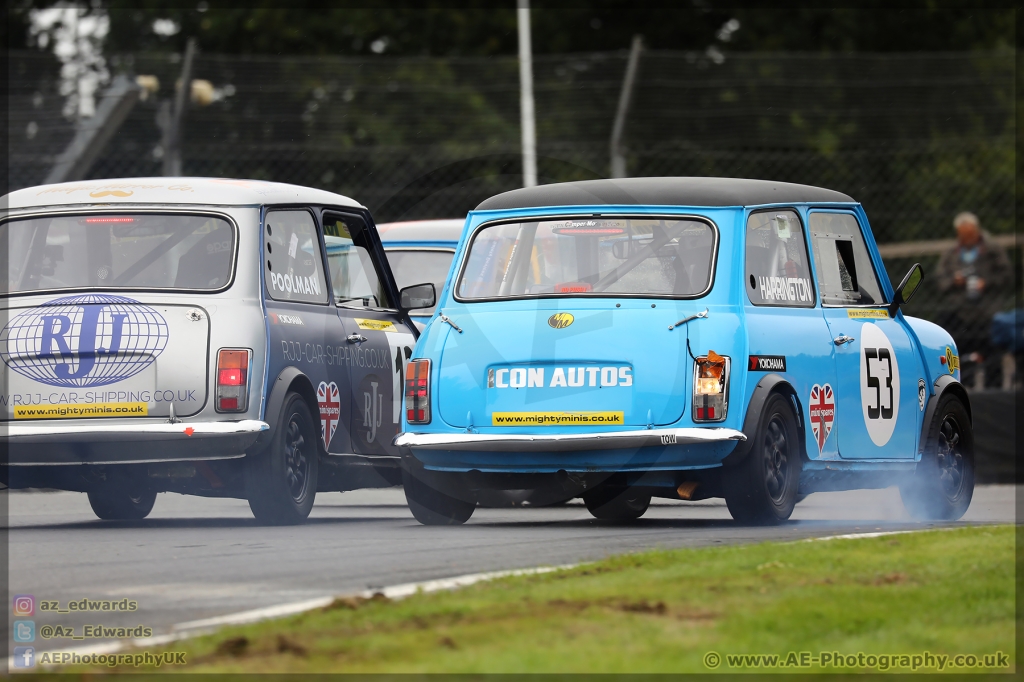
x=560, y=320
x=952, y=360
x=376, y=325
x=863, y=314
x=81, y=411
x=556, y=418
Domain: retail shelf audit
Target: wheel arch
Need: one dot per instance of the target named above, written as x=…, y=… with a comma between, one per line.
x=291, y=379
x=944, y=385
x=769, y=385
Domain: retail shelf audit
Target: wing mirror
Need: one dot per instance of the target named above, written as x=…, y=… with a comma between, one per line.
x=907, y=288
x=417, y=296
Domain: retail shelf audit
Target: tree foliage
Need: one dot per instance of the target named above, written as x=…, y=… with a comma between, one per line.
x=479, y=28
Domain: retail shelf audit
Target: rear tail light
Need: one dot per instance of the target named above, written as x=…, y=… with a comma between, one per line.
x=233, y=379
x=417, y=392
x=710, y=387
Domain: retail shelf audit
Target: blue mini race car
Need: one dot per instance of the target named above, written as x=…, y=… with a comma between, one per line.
x=682, y=338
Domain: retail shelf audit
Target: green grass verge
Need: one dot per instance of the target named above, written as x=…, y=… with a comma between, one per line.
x=946, y=592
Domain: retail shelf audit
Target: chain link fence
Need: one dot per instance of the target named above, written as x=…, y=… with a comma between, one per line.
x=917, y=138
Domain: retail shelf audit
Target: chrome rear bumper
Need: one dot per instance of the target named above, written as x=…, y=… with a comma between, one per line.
x=564, y=442
x=124, y=443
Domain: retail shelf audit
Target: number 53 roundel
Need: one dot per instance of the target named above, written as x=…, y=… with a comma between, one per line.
x=879, y=384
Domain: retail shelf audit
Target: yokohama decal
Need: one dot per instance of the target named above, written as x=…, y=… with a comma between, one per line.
x=766, y=363
x=823, y=413
x=329, y=400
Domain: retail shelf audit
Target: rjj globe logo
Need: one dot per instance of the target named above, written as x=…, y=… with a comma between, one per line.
x=83, y=341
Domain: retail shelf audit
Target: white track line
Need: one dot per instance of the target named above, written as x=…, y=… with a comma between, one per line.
x=195, y=628
x=879, y=534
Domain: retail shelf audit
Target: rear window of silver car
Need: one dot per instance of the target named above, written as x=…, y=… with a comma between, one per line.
x=639, y=256
x=415, y=266
x=117, y=251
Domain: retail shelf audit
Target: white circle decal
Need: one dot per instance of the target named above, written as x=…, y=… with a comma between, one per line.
x=879, y=383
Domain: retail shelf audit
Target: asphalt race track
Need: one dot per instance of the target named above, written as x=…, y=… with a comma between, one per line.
x=196, y=558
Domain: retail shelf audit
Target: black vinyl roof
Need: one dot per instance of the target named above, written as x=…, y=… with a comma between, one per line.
x=663, y=192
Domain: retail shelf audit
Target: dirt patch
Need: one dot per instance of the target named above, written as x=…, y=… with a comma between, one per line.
x=644, y=606
x=353, y=603
x=288, y=646
x=236, y=646
x=891, y=579
x=570, y=604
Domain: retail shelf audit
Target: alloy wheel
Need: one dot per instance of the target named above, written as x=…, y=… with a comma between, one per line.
x=776, y=456
x=296, y=462
x=950, y=459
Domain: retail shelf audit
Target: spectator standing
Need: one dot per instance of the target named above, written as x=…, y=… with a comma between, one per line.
x=975, y=276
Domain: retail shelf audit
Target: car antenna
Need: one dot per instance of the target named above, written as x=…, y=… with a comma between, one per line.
x=688, y=319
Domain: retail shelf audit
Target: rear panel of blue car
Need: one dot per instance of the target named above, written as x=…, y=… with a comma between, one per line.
x=622, y=358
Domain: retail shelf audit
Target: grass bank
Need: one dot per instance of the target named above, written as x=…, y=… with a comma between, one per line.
x=947, y=593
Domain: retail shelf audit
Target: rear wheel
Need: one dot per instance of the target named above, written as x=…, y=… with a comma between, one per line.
x=431, y=507
x=616, y=504
x=281, y=479
x=762, y=489
x=943, y=485
x=126, y=502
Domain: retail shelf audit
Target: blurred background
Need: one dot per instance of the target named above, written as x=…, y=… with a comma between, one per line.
x=415, y=112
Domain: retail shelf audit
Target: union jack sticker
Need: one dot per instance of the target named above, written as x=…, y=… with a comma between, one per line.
x=823, y=413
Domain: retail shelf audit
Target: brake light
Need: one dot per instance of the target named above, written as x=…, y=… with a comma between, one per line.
x=233, y=379
x=417, y=392
x=108, y=219
x=588, y=230
x=710, y=387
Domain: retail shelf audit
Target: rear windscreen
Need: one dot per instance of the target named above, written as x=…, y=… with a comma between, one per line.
x=130, y=251
x=590, y=257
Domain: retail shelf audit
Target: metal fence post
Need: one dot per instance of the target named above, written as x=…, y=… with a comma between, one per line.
x=172, y=129
x=93, y=133
x=618, y=154
x=526, y=113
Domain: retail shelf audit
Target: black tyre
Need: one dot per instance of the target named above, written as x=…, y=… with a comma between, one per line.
x=432, y=507
x=943, y=485
x=762, y=489
x=281, y=479
x=122, y=502
x=616, y=504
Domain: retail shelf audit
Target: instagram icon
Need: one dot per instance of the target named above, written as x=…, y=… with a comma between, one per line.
x=24, y=605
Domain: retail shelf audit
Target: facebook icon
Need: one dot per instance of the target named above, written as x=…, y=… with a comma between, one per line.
x=24, y=656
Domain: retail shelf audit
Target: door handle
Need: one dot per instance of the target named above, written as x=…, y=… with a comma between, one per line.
x=843, y=338
x=356, y=338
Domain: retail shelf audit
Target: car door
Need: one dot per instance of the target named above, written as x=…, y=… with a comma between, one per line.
x=881, y=383
x=786, y=332
x=377, y=342
x=300, y=315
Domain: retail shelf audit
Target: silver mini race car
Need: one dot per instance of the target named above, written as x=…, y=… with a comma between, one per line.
x=189, y=335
